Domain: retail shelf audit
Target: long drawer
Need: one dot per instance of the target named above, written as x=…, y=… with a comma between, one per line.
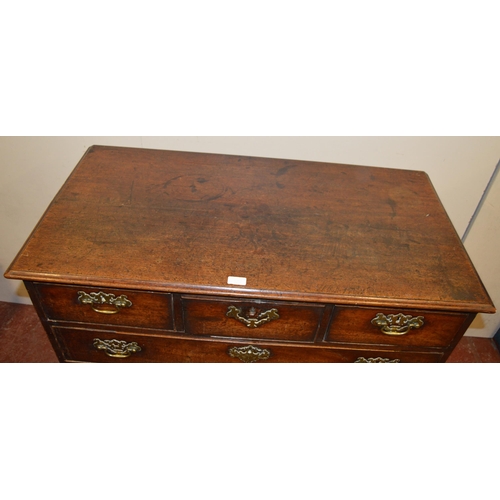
x=395, y=327
x=106, y=346
x=107, y=306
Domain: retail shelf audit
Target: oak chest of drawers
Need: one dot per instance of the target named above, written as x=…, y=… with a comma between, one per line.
x=165, y=256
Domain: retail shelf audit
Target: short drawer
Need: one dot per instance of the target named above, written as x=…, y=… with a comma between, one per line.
x=106, y=306
x=252, y=319
x=105, y=346
x=395, y=327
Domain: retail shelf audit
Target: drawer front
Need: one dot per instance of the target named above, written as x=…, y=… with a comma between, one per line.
x=395, y=327
x=251, y=319
x=106, y=306
x=105, y=346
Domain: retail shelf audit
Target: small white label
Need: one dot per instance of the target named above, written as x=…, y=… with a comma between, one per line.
x=236, y=280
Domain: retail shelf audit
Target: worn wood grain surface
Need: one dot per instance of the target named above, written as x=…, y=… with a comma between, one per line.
x=183, y=222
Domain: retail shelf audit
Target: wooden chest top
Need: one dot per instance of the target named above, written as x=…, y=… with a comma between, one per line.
x=296, y=230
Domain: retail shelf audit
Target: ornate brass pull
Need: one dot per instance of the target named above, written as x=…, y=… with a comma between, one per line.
x=253, y=320
x=101, y=298
x=397, y=324
x=249, y=353
x=116, y=348
x=377, y=360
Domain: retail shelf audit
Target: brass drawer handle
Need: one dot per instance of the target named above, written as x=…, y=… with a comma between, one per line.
x=253, y=320
x=116, y=348
x=101, y=298
x=377, y=360
x=397, y=324
x=249, y=353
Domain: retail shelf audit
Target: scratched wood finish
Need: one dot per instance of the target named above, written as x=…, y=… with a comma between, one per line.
x=183, y=222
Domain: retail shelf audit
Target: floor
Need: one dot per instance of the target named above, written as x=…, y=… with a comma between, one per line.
x=23, y=340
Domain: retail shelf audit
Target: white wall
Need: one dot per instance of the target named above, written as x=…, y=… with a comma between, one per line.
x=32, y=169
x=483, y=245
